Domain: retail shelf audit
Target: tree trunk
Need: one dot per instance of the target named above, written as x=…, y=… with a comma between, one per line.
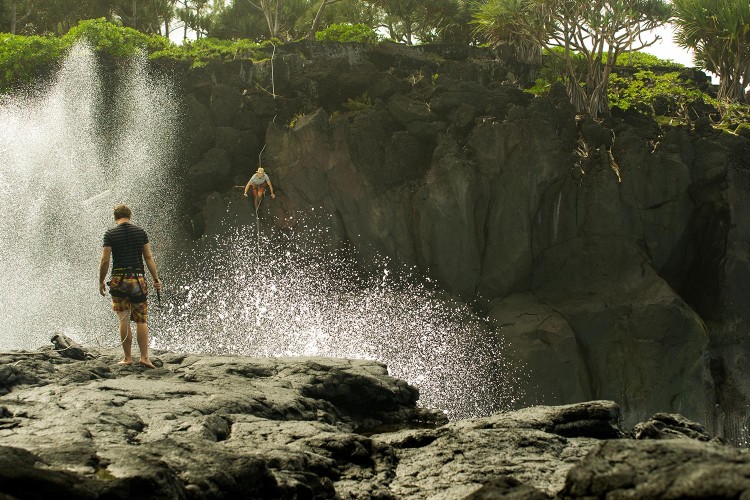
x=135, y=5
x=278, y=18
x=13, y=11
x=314, y=27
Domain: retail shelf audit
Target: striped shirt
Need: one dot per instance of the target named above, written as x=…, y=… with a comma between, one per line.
x=126, y=241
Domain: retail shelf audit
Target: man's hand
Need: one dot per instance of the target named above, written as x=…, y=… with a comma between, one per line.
x=102, y=288
x=157, y=285
x=273, y=195
x=244, y=194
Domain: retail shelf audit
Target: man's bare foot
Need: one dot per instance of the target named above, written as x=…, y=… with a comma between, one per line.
x=146, y=362
x=126, y=361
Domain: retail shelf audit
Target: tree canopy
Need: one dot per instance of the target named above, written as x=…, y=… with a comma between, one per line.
x=598, y=31
x=719, y=32
x=582, y=38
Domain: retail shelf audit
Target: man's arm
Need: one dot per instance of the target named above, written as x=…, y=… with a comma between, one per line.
x=103, y=268
x=270, y=186
x=247, y=186
x=151, y=264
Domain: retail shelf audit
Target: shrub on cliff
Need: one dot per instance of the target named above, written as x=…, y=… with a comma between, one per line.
x=204, y=50
x=115, y=40
x=346, y=32
x=667, y=94
x=26, y=58
x=23, y=59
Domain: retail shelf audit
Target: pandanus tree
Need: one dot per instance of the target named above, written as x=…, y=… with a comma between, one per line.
x=594, y=31
x=719, y=33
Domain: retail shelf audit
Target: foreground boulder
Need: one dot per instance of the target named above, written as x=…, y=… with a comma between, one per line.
x=234, y=427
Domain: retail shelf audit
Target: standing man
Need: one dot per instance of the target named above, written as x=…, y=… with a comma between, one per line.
x=128, y=246
x=259, y=181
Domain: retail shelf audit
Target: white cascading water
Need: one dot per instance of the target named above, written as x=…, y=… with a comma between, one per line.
x=61, y=174
x=69, y=153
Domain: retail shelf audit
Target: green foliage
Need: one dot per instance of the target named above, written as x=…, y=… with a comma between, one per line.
x=554, y=69
x=412, y=21
x=645, y=60
x=667, y=94
x=719, y=33
x=205, y=50
x=25, y=58
x=115, y=40
x=597, y=30
x=359, y=104
x=346, y=32
x=258, y=20
x=743, y=129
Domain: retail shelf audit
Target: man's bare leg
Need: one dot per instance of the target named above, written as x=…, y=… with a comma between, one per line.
x=141, y=332
x=126, y=337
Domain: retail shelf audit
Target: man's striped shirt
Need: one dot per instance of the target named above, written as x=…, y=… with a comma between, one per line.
x=126, y=241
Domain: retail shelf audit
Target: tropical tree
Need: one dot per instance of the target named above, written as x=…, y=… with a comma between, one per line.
x=260, y=20
x=459, y=29
x=271, y=10
x=318, y=17
x=15, y=13
x=164, y=11
x=598, y=31
x=50, y=16
x=320, y=14
x=719, y=33
x=142, y=15
x=410, y=20
x=198, y=16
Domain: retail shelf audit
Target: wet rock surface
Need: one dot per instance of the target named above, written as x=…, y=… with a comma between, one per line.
x=201, y=426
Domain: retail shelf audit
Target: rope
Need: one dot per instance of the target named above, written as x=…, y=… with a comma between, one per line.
x=273, y=83
x=257, y=224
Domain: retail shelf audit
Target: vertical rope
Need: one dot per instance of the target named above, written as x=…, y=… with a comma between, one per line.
x=273, y=83
x=257, y=225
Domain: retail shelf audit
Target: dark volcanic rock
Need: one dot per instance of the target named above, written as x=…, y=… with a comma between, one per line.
x=199, y=427
x=233, y=427
x=670, y=426
x=612, y=256
x=680, y=468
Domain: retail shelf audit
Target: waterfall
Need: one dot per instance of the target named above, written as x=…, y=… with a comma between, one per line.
x=71, y=151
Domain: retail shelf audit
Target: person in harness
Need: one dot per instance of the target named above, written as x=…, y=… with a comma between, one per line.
x=258, y=182
x=128, y=246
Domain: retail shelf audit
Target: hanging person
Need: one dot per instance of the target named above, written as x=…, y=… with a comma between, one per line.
x=259, y=181
x=128, y=246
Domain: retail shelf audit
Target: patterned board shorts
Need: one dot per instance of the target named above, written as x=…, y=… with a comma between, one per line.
x=130, y=292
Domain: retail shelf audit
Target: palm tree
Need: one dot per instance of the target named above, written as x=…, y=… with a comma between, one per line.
x=719, y=33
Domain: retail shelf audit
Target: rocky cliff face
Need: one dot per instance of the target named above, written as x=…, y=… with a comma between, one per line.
x=613, y=256
x=211, y=427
